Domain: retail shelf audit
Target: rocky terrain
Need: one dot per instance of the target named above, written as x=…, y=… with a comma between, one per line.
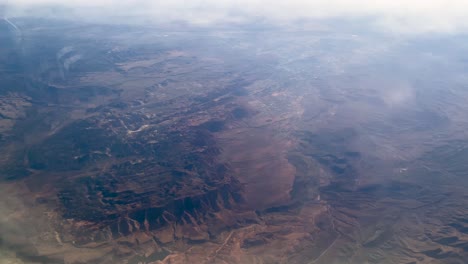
x=161, y=145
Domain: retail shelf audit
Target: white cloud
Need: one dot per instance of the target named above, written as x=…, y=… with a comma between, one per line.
x=396, y=95
x=397, y=15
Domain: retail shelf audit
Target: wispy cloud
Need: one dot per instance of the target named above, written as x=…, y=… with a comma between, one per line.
x=411, y=16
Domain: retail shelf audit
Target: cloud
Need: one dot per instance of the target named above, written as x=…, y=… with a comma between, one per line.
x=398, y=94
x=410, y=16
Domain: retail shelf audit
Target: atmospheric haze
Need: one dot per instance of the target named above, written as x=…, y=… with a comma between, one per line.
x=408, y=17
x=239, y=132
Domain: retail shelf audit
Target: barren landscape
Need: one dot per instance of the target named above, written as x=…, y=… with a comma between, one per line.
x=131, y=144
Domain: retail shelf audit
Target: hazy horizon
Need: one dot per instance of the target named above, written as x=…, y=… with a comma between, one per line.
x=400, y=17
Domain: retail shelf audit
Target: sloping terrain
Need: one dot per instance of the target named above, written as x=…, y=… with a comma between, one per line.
x=143, y=145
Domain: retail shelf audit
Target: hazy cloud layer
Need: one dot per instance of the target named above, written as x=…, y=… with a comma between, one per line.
x=411, y=16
